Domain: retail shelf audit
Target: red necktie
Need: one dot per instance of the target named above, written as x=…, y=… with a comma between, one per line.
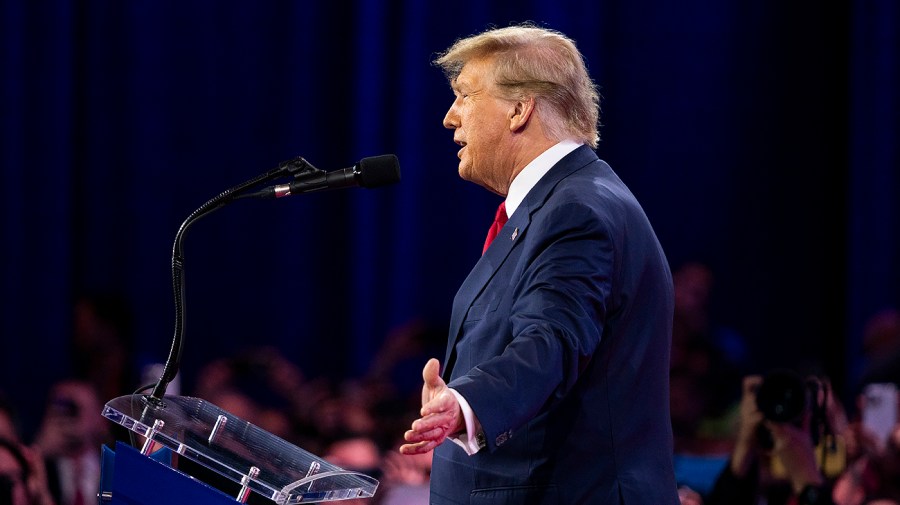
x=499, y=220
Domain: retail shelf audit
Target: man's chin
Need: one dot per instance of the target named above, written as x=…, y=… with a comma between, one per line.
x=465, y=173
x=468, y=176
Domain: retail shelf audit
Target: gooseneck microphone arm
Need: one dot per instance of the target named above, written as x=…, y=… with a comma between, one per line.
x=291, y=167
x=370, y=172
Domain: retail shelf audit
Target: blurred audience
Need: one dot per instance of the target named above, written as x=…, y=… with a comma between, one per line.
x=727, y=449
x=396, y=366
x=403, y=480
x=69, y=440
x=102, y=347
x=874, y=477
x=873, y=472
x=693, y=320
x=816, y=457
x=262, y=370
x=706, y=366
x=774, y=461
x=358, y=454
x=881, y=348
x=22, y=479
x=406, y=479
x=8, y=423
x=262, y=387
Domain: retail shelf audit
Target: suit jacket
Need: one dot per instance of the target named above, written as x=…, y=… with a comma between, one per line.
x=559, y=340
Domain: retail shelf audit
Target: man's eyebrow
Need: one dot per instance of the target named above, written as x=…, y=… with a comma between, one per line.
x=457, y=84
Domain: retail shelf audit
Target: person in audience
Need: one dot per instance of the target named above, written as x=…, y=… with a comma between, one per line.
x=406, y=479
x=694, y=321
x=22, y=479
x=360, y=454
x=874, y=476
x=881, y=348
x=704, y=381
x=260, y=386
x=69, y=440
x=753, y=469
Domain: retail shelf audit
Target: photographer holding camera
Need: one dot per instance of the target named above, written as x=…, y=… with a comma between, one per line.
x=773, y=432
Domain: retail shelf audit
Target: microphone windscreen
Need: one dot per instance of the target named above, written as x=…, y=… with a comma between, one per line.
x=378, y=171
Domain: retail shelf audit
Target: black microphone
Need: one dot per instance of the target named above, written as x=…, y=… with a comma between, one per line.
x=371, y=172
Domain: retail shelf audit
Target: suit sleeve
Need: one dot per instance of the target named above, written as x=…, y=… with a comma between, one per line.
x=561, y=292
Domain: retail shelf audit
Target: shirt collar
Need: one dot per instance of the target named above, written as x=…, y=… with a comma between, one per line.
x=532, y=173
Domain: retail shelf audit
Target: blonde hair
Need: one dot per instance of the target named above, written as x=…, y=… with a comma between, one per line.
x=536, y=62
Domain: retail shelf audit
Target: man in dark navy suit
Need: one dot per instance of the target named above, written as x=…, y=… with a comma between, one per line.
x=555, y=381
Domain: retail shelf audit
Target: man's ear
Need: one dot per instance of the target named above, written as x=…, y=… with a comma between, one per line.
x=520, y=113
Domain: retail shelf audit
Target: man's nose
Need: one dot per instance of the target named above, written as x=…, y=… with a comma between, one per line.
x=451, y=119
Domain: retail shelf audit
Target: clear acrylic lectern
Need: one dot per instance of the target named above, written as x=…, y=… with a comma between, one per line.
x=253, y=458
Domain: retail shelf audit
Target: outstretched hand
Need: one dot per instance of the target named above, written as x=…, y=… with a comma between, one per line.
x=441, y=415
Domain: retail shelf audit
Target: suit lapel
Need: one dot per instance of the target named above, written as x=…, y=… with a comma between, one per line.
x=511, y=233
x=486, y=267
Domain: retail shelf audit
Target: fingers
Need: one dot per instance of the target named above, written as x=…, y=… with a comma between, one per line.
x=430, y=430
x=417, y=448
x=433, y=385
x=428, y=423
x=437, y=434
x=749, y=412
x=441, y=404
x=432, y=374
x=751, y=384
x=433, y=426
x=422, y=439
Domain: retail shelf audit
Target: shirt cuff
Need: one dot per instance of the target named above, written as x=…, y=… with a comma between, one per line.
x=472, y=440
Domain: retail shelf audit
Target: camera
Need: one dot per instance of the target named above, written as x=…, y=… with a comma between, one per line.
x=784, y=396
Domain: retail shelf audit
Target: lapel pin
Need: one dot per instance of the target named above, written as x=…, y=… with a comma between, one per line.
x=515, y=234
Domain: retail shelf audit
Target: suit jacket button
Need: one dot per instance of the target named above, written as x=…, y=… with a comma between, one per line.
x=502, y=438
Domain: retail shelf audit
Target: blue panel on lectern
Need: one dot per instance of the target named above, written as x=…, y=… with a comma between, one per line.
x=108, y=464
x=141, y=480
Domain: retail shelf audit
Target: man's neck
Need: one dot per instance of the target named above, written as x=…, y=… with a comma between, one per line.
x=534, y=171
x=526, y=155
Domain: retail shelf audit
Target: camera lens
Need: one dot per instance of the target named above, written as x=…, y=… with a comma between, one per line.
x=782, y=396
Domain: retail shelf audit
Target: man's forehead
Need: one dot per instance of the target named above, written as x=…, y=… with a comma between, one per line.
x=470, y=72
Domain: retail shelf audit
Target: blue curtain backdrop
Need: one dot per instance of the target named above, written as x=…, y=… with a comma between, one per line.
x=761, y=138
